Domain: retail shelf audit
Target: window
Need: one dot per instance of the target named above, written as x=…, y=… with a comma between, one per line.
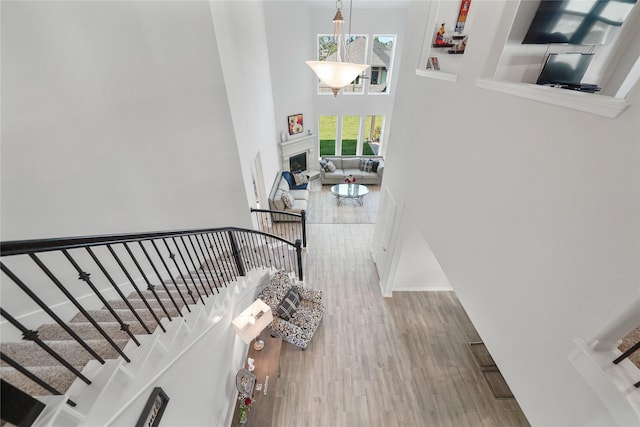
x=372, y=135
x=350, y=133
x=383, y=51
x=376, y=79
x=356, y=135
x=327, y=135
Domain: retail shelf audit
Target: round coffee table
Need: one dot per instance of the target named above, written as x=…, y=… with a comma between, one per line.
x=349, y=191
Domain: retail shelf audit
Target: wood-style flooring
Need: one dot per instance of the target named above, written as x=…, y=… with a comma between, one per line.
x=374, y=361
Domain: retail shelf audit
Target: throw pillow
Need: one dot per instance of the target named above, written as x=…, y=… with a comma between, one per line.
x=323, y=164
x=368, y=166
x=374, y=165
x=287, y=307
x=300, y=178
x=287, y=198
x=363, y=164
x=330, y=166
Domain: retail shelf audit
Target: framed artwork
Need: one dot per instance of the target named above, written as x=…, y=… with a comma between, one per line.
x=153, y=410
x=295, y=124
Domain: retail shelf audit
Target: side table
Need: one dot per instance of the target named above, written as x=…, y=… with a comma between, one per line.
x=267, y=363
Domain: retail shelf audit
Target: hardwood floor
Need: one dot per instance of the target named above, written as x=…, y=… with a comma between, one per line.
x=374, y=361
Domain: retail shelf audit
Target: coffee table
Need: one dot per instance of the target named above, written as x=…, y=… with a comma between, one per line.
x=349, y=191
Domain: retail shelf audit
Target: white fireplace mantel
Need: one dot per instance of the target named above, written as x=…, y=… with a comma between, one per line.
x=304, y=144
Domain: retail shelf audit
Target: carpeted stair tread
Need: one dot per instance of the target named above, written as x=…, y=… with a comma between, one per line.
x=125, y=315
x=58, y=377
x=163, y=294
x=87, y=331
x=28, y=353
x=138, y=304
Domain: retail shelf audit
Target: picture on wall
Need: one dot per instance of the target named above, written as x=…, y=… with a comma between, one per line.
x=295, y=124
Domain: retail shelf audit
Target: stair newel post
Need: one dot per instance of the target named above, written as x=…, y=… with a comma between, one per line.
x=303, y=218
x=299, y=256
x=236, y=253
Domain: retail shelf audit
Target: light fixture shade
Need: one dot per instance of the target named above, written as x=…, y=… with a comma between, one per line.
x=336, y=74
x=246, y=330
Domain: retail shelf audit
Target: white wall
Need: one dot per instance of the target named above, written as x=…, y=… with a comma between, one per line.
x=115, y=119
x=531, y=210
x=241, y=37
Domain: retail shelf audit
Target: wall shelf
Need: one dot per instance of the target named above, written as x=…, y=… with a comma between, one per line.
x=437, y=75
x=600, y=105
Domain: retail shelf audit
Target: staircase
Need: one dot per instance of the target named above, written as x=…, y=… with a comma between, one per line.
x=114, y=351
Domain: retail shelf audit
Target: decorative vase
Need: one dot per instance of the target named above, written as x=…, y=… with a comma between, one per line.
x=243, y=418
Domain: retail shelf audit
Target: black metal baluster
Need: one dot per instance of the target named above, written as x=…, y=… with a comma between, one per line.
x=33, y=377
x=251, y=248
x=208, y=262
x=150, y=286
x=31, y=335
x=193, y=265
x=257, y=248
x=75, y=302
x=299, y=257
x=153, y=266
x=303, y=221
x=241, y=251
x=117, y=289
x=47, y=310
x=225, y=254
x=200, y=262
x=184, y=280
x=627, y=353
x=135, y=287
x=86, y=277
x=173, y=280
x=228, y=270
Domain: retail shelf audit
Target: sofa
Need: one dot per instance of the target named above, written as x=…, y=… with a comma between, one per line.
x=297, y=310
x=365, y=169
x=288, y=196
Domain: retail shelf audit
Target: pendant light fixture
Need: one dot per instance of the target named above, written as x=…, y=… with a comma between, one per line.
x=337, y=74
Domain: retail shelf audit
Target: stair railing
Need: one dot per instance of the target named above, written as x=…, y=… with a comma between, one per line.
x=290, y=226
x=181, y=267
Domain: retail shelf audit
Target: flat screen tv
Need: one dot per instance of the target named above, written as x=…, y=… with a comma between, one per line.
x=298, y=163
x=578, y=22
x=565, y=68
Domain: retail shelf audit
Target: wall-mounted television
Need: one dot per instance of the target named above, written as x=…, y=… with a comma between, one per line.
x=564, y=68
x=298, y=163
x=577, y=22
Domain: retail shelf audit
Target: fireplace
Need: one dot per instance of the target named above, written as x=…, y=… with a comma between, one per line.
x=298, y=163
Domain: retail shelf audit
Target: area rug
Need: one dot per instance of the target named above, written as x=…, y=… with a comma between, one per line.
x=323, y=208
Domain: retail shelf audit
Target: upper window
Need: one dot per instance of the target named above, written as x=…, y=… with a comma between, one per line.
x=379, y=55
x=381, y=62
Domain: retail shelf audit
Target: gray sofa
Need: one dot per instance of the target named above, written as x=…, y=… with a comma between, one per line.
x=283, y=185
x=366, y=169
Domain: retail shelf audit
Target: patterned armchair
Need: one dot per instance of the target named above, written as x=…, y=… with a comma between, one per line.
x=297, y=310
